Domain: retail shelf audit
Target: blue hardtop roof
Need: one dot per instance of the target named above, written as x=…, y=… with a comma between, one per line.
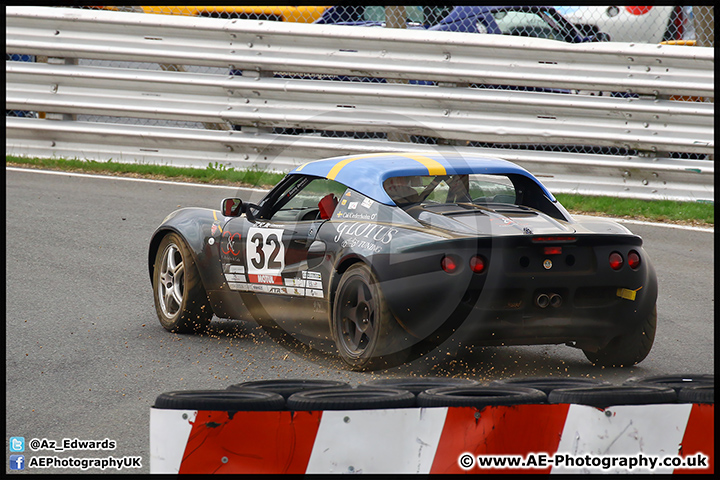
x=366, y=173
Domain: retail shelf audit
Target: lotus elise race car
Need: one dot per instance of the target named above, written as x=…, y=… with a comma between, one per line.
x=388, y=255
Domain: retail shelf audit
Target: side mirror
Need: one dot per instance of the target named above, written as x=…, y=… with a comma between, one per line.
x=231, y=207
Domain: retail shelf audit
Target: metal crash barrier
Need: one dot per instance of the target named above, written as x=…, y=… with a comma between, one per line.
x=190, y=91
x=654, y=425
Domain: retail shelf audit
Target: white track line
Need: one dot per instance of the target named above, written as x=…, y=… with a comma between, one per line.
x=112, y=177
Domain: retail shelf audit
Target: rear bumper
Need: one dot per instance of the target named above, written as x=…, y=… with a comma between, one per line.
x=587, y=302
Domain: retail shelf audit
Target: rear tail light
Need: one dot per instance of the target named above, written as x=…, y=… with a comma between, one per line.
x=449, y=264
x=633, y=259
x=554, y=239
x=552, y=250
x=478, y=264
x=616, y=261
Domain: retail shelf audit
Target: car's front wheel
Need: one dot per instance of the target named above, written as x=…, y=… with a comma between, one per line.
x=629, y=349
x=180, y=299
x=366, y=333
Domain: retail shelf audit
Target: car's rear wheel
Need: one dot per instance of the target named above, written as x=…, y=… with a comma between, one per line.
x=629, y=349
x=181, y=302
x=366, y=333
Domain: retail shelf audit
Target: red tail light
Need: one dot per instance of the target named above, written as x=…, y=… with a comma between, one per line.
x=554, y=239
x=553, y=250
x=448, y=264
x=478, y=264
x=616, y=261
x=633, y=259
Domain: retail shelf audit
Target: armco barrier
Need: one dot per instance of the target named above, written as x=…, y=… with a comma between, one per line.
x=184, y=75
x=528, y=438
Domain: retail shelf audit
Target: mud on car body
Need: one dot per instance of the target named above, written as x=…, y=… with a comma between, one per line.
x=385, y=256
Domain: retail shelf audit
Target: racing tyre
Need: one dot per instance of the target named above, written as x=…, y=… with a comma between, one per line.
x=677, y=381
x=180, y=299
x=606, y=396
x=350, y=399
x=417, y=385
x=287, y=387
x=480, y=396
x=224, y=400
x=366, y=334
x=629, y=349
x=548, y=384
x=699, y=394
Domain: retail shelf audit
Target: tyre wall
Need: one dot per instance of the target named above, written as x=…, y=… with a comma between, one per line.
x=577, y=438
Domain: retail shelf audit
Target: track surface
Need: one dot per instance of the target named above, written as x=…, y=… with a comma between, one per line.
x=86, y=356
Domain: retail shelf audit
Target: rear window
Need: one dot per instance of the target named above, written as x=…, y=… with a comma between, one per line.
x=472, y=188
x=492, y=192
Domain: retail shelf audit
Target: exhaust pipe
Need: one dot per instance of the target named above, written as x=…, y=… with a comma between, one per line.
x=555, y=300
x=542, y=300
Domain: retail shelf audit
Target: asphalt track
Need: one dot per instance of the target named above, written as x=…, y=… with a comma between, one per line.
x=86, y=356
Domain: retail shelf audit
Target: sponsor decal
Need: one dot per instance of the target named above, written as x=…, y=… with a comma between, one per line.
x=357, y=216
x=239, y=280
x=547, y=264
x=233, y=277
x=311, y=275
x=367, y=203
x=352, y=205
x=265, y=252
x=242, y=287
x=371, y=232
x=230, y=244
x=364, y=244
x=230, y=268
x=268, y=279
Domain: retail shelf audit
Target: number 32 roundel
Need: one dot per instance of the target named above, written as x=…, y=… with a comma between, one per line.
x=265, y=255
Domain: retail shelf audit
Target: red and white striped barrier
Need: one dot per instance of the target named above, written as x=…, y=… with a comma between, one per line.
x=577, y=438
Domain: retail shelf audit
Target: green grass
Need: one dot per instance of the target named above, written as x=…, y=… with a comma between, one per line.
x=655, y=210
x=698, y=213
x=216, y=173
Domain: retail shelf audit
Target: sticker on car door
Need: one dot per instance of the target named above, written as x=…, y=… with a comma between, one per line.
x=265, y=255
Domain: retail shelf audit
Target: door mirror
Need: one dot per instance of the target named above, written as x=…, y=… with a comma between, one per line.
x=231, y=207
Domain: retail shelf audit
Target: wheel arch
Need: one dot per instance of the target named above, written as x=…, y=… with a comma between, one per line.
x=337, y=273
x=189, y=224
x=153, y=248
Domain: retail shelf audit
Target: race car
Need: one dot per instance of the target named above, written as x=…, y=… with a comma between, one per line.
x=386, y=256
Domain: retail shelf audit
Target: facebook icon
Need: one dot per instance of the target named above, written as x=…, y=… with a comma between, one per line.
x=17, y=462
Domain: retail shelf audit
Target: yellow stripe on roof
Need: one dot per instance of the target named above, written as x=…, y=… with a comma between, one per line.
x=434, y=167
x=335, y=171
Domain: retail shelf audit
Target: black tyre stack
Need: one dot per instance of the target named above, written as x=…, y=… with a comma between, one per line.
x=307, y=394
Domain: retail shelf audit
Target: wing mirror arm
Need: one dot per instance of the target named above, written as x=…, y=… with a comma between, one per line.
x=234, y=207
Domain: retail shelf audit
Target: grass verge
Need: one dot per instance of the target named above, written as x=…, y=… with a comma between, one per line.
x=689, y=213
